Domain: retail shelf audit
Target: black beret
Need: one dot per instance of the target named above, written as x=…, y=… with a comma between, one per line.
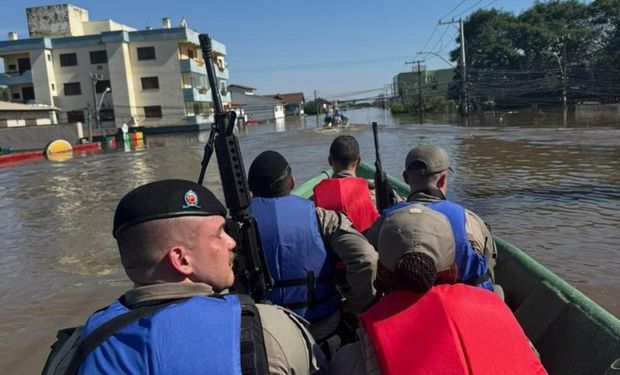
x=265, y=169
x=165, y=199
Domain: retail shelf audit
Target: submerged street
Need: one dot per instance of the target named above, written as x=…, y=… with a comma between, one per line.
x=554, y=192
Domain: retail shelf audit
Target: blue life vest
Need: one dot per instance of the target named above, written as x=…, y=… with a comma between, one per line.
x=302, y=268
x=472, y=266
x=196, y=336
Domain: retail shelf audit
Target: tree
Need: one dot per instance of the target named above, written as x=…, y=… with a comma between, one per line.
x=4, y=93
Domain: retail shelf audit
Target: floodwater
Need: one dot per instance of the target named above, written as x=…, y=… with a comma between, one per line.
x=553, y=191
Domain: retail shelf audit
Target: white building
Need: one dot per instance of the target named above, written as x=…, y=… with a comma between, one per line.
x=156, y=76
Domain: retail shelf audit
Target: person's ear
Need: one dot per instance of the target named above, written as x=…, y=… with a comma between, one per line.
x=358, y=162
x=405, y=176
x=329, y=160
x=442, y=181
x=293, y=182
x=180, y=260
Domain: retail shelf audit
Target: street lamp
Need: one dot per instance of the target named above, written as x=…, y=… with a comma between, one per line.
x=98, y=109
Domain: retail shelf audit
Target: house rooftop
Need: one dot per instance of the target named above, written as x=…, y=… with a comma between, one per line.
x=19, y=107
x=293, y=97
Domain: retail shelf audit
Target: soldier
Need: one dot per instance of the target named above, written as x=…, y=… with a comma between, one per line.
x=426, y=173
x=346, y=192
x=425, y=323
x=302, y=245
x=174, y=248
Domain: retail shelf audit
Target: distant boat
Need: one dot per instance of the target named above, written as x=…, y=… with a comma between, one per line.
x=572, y=334
x=335, y=120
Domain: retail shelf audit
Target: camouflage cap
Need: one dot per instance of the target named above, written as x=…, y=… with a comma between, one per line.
x=428, y=159
x=165, y=199
x=416, y=228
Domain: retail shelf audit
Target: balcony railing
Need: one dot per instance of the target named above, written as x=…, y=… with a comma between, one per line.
x=14, y=78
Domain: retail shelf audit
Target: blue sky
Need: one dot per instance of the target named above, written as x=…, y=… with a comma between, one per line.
x=335, y=47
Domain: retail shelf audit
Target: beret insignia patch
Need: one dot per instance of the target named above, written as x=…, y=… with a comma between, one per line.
x=191, y=200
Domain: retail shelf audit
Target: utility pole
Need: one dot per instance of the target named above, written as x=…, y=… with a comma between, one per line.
x=94, y=78
x=90, y=123
x=316, y=104
x=464, y=90
x=420, y=109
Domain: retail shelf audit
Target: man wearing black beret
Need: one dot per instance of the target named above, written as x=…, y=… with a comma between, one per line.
x=303, y=245
x=174, y=248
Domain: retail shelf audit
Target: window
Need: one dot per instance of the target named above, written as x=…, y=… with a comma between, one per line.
x=75, y=116
x=223, y=88
x=150, y=83
x=153, y=111
x=4, y=123
x=190, y=53
x=100, y=86
x=49, y=57
x=16, y=95
x=53, y=87
x=98, y=57
x=146, y=53
x=198, y=108
x=106, y=114
x=31, y=122
x=68, y=59
x=12, y=67
x=72, y=88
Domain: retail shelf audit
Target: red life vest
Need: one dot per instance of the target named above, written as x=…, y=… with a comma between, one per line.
x=451, y=329
x=349, y=195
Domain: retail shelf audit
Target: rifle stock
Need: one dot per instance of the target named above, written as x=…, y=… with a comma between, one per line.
x=384, y=192
x=251, y=272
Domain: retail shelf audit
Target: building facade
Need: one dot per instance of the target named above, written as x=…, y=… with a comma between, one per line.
x=293, y=102
x=256, y=108
x=434, y=83
x=152, y=77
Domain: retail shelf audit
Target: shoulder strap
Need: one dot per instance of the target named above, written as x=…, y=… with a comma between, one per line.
x=253, y=351
x=108, y=329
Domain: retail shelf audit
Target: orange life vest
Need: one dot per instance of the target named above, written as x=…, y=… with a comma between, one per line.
x=451, y=329
x=349, y=195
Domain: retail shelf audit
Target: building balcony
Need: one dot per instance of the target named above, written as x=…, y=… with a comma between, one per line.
x=14, y=78
x=197, y=95
x=197, y=66
x=192, y=66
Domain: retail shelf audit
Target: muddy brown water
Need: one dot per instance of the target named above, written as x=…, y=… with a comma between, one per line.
x=552, y=191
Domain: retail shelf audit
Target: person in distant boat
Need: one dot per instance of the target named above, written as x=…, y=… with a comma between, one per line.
x=174, y=248
x=426, y=173
x=302, y=244
x=426, y=323
x=346, y=192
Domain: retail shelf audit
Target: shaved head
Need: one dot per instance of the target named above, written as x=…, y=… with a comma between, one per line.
x=143, y=247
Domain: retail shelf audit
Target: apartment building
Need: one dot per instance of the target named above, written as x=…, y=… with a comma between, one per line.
x=434, y=83
x=152, y=77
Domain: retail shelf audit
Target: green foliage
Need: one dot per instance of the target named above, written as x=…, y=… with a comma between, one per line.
x=433, y=104
x=518, y=60
x=4, y=93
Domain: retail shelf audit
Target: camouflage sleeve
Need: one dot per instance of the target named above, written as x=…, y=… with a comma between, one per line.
x=481, y=239
x=290, y=347
x=358, y=255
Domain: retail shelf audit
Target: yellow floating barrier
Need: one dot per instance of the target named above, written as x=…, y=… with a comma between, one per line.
x=58, y=150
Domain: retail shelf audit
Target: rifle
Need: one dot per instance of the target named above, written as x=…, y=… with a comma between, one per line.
x=251, y=272
x=384, y=191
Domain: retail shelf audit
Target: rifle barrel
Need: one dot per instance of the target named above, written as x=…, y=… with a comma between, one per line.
x=207, y=50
